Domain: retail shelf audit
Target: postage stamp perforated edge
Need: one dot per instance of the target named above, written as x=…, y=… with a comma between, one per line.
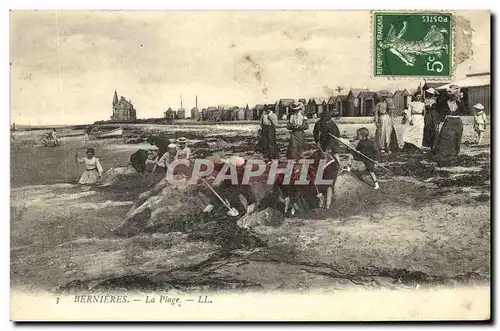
x=412, y=77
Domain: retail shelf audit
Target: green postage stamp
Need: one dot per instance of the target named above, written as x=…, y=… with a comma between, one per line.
x=412, y=44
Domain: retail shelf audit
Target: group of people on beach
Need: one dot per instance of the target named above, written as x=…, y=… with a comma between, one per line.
x=326, y=138
x=433, y=124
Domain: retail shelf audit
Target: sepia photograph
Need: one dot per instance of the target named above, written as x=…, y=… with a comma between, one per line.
x=280, y=165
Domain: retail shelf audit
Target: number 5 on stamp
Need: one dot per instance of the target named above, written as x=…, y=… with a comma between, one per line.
x=412, y=44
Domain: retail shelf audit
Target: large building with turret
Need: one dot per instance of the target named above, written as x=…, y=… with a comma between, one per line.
x=123, y=110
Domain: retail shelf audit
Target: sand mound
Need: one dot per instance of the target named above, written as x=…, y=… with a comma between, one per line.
x=115, y=175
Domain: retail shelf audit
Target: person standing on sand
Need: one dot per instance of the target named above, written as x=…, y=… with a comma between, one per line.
x=297, y=125
x=480, y=120
x=430, y=119
x=450, y=130
x=54, y=137
x=86, y=137
x=385, y=135
x=93, y=169
x=322, y=131
x=415, y=133
x=268, y=125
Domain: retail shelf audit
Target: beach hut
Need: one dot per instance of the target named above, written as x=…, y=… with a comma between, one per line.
x=399, y=100
x=283, y=107
x=330, y=104
x=367, y=103
x=239, y=114
x=354, y=102
x=341, y=104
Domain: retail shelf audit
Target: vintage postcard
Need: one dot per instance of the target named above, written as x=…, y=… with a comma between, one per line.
x=250, y=165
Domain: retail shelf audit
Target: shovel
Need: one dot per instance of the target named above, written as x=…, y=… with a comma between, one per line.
x=232, y=211
x=319, y=196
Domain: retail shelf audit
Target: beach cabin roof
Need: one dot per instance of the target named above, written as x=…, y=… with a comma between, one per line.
x=472, y=80
x=286, y=102
x=366, y=94
x=356, y=91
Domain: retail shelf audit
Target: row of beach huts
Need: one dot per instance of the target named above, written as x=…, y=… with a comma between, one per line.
x=355, y=103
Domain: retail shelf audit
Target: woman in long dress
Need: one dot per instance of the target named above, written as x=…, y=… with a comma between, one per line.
x=450, y=130
x=385, y=135
x=414, y=135
x=93, y=169
x=430, y=118
x=297, y=125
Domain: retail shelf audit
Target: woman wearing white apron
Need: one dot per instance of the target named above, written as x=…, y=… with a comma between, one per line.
x=414, y=134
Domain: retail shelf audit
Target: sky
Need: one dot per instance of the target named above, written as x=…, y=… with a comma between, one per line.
x=65, y=66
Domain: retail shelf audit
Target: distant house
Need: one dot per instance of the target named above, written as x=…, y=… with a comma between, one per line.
x=246, y=110
x=195, y=114
x=240, y=114
x=315, y=106
x=257, y=111
x=341, y=104
x=367, y=103
x=212, y=114
x=354, y=102
x=169, y=114
x=283, y=107
x=399, y=99
x=223, y=110
x=228, y=114
x=203, y=114
x=181, y=113
x=123, y=110
x=475, y=88
x=330, y=104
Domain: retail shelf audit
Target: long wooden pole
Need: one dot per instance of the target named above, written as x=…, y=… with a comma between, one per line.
x=358, y=152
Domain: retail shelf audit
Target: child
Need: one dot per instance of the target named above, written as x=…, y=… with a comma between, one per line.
x=150, y=165
x=479, y=121
x=183, y=152
x=368, y=148
x=168, y=157
x=93, y=169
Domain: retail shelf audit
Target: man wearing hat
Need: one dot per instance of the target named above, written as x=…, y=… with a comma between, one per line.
x=430, y=118
x=450, y=130
x=297, y=125
x=323, y=129
x=480, y=120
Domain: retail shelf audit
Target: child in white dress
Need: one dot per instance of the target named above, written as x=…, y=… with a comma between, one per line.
x=93, y=169
x=480, y=120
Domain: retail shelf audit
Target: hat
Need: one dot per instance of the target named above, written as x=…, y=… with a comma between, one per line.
x=453, y=89
x=431, y=90
x=172, y=146
x=182, y=140
x=478, y=106
x=383, y=93
x=297, y=106
x=235, y=160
